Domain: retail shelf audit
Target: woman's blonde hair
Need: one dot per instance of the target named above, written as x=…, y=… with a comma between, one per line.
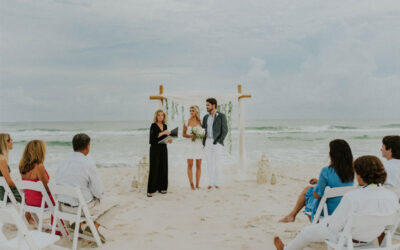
x=4, y=140
x=34, y=153
x=197, y=110
x=156, y=113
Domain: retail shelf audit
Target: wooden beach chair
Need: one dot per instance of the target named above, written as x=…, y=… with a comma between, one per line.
x=38, y=213
x=329, y=193
x=82, y=213
x=25, y=239
x=375, y=223
x=8, y=195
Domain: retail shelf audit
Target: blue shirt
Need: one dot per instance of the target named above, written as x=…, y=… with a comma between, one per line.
x=210, y=122
x=327, y=178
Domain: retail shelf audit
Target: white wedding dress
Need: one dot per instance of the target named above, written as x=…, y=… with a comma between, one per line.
x=193, y=149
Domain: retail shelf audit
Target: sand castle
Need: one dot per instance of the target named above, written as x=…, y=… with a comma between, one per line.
x=263, y=173
x=140, y=181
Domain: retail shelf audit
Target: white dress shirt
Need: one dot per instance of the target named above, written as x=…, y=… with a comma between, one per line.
x=210, y=122
x=364, y=200
x=79, y=171
x=392, y=168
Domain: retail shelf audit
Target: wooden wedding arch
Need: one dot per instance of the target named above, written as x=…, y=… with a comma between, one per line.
x=240, y=97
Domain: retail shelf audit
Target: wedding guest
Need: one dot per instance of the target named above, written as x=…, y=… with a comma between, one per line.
x=391, y=151
x=370, y=198
x=339, y=173
x=6, y=144
x=32, y=169
x=216, y=127
x=158, y=175
x=80, y=171
x=194, y=147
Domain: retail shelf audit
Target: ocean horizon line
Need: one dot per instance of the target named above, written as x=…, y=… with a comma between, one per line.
x=247, y=120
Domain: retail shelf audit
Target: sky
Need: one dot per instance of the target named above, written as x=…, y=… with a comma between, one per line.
x=80, y=60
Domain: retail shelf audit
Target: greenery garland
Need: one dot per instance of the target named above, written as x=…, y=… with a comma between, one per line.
x=166, y=107
x=183, y=113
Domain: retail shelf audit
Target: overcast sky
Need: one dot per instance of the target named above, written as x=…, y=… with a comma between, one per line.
x=101, y=59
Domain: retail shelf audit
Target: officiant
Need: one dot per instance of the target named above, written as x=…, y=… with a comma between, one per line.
x=158, y=176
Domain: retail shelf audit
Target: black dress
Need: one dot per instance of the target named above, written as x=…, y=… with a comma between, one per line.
x=158, y=176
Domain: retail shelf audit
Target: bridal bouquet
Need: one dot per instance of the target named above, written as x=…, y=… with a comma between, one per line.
x=198, y=133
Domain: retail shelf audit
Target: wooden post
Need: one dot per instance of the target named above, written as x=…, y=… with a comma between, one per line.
x=161, y=93
x=242, y=153
x=240, y=89
x=161, y=89
x=159, y=97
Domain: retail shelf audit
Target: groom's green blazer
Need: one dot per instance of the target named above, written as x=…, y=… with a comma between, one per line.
x=220, y=128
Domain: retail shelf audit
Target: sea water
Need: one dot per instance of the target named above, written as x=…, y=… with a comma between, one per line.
x=123, y=143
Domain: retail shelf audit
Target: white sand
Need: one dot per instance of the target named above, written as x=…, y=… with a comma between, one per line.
x=242, y=215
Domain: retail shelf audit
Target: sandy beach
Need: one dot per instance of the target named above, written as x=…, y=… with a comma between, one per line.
x=242, y=215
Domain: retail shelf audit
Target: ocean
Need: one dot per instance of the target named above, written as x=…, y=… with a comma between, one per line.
x=123, y=143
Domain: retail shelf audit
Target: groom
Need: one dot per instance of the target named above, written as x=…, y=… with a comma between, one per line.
x=216, y=128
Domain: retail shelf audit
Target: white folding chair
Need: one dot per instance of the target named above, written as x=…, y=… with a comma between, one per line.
x=396, y=190
x=8, y=194
x=329, y=193
x=25, y=239
x=82, y=213
x=38, y=213
x=366, y=229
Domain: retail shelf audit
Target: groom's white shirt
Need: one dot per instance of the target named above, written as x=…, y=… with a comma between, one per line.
x=210, y=122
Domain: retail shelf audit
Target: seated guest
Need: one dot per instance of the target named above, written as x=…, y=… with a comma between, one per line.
x=79, y=171
x=32, y=169
x=370, y=198
x=6, y=144
x=339, y=173
x=391, y=151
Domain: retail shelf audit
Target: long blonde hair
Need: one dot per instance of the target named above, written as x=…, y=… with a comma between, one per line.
x=160, y=111
x=197, y=110
x=4, y=140
x=34, y=153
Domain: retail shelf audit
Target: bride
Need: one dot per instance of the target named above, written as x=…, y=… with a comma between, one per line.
x=194, y=148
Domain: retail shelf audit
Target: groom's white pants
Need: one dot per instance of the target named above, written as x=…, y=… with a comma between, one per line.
x=213, y=157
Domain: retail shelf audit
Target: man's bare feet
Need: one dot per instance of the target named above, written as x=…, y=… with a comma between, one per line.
x=209, y=187
x=278, y=243
x=192, y=186
x=288, y=218
x=217, y=187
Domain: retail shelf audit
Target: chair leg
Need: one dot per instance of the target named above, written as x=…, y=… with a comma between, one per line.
x=76, y=234
x=61, y=227
x=94, y=232
x=53, y=227
x=40, y=226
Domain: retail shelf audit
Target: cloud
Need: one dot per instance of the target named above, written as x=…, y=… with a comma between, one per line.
x=96, y=60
